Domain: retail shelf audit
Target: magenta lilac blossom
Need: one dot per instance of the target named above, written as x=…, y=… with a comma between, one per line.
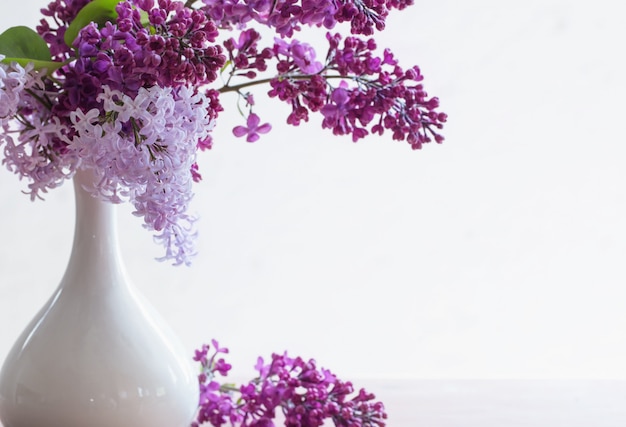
x=302, y=393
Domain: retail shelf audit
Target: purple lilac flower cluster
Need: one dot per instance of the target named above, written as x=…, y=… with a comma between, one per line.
x=175, y=48
x=287, y=16
x=305, y=395
x=357, y=91
x=134, y=93
x=382, y=94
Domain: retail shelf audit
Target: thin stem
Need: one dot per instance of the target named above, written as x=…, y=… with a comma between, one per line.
x=20, y=118
x=229, y=387
x=135, y=127
x=41, y=100
x=236, y=88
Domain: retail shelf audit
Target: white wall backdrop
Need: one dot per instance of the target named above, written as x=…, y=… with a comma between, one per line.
x=497, y=254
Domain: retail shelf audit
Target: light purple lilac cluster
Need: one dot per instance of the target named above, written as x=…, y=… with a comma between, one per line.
x=164, y=125
x=34, y=138
x=135, y=95
x=305, y=395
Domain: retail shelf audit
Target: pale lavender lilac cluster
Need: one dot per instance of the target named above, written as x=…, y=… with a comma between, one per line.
x=305, y=395
x=135, y=96
x=164, y=125
x=34, y=139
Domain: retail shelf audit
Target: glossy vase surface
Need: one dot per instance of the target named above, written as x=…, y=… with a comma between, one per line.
x=97, y=354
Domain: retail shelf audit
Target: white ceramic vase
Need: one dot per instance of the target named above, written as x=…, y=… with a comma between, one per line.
x=96, y=354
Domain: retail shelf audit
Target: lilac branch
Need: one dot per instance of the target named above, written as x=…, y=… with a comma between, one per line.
x=305, y=394
x=304, y=77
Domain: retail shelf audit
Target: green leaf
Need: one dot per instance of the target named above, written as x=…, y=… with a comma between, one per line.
x=98, y=11
x=24, y=46
x=24, y=43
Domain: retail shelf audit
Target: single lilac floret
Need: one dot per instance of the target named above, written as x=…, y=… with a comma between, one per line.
x=254, y=128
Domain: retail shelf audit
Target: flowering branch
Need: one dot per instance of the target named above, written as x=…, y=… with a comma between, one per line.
x=128, y=89
x=305, y=395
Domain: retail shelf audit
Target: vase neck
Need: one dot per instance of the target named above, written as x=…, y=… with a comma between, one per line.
x=95, y=254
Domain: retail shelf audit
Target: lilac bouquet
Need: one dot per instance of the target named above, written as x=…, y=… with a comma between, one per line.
x=304, y=394
x=132, y=89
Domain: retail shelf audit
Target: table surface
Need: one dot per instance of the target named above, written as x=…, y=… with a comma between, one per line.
x=501, y=403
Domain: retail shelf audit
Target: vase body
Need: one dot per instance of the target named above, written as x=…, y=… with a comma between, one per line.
x=96, y=354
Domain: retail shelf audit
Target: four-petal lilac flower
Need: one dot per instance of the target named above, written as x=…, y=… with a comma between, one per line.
x=253, y=129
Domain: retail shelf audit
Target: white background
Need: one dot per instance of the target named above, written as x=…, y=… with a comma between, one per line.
x=498, y=254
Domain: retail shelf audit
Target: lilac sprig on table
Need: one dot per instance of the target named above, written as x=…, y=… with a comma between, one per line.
x=305, y=395
x=132, y=89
